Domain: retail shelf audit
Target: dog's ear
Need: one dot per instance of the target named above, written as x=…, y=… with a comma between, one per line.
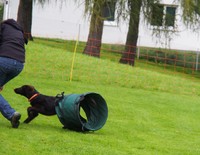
x=32, y=88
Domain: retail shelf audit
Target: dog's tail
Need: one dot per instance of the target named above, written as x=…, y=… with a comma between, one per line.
x=59, y=97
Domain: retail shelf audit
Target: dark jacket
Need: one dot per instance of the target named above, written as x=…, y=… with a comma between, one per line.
x=12, y=40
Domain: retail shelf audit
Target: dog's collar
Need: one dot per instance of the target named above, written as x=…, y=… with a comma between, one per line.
x=32, y=97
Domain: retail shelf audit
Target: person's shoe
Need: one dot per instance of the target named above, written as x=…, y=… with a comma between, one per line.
x=15, y=120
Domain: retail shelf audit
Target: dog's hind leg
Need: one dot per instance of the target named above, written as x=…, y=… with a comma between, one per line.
x=31, y=115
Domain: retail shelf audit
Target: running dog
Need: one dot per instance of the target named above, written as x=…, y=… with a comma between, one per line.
x=40, y=104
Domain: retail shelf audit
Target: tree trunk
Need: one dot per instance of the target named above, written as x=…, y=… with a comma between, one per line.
x=93, y=45
x=24, y=17
x=129, y=53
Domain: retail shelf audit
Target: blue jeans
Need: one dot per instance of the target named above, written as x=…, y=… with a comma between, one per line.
x=9, y=68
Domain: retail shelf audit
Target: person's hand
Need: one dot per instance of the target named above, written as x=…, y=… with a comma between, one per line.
x=1, y=88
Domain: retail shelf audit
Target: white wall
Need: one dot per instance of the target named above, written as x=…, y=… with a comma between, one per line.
x=184, y=39
x=54, y=21
x=68, y=21
x=12, y=6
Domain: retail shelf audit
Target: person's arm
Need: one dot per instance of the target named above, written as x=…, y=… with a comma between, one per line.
x=25, y=40
x=0, y=31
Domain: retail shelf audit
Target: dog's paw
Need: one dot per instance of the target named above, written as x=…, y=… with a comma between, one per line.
x=32, y=113
x=26, y=122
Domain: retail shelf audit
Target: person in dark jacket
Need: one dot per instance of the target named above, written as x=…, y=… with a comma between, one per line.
x=12, y=58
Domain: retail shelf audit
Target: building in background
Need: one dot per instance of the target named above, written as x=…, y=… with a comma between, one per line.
x=66, y=21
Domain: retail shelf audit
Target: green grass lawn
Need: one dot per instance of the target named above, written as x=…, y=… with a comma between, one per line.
x=150, y=112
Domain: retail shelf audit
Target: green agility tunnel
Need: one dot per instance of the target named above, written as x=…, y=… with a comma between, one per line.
x=93, y=107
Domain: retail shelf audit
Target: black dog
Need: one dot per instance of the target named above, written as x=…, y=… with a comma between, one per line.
x=40, y=103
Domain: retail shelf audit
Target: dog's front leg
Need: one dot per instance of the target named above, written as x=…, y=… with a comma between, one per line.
x=32, y=113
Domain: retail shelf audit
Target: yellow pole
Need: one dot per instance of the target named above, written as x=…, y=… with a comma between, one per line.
x=74, y=55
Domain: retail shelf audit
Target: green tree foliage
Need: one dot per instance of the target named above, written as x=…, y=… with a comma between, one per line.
x=191, y=13
x=1, y=11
